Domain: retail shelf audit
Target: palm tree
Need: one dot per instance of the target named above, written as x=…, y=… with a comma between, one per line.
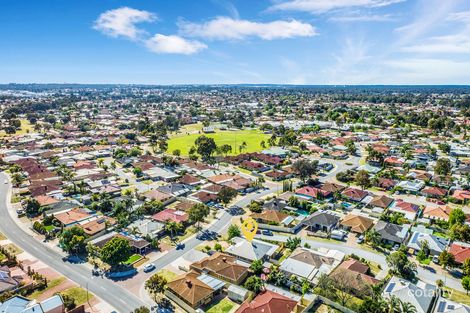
x=373, y=237
x=406, y=307
x=173, y=227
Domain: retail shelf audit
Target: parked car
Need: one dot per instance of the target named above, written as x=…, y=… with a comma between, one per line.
x=360, y=239
x=267, y=232
x=435, y=259
x=396, y=247
x=149, y=267
x=337, y=234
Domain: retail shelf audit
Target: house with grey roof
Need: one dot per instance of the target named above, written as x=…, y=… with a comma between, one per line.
x=436, y=244
x=421, y=295
x=392, y=233
x=251, y=251
x=19, y=304
x=321, y=220
x=447, y=306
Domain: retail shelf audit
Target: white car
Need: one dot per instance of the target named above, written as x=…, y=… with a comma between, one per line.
x=5, y=182
x=149, y=267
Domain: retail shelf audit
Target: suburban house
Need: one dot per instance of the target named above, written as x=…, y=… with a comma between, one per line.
x=19, y=304
x=251, y=251
x=171, y=215
x=222, y=266
x=436, y=244
x=392, y=233
x=421, y=295
x=321, y=220
x=354, y=194
x=273, y=217
x=460, y=250
x=312, y=193
x=194, y=289
x=445, y=305
x=8, y=281
x=355, y=274
x=268, y=302
x=382, y=202
x=158, y=195
x=410, y=210
x=434, y=192
x=357, y=223
x=311, y=264
x=441, y=213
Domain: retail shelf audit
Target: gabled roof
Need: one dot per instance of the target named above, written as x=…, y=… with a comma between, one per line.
x=223, y=265
x=357, y=223
x=271, y=216
x=419, y=295
x=354, y=194
x=321, y=218
x=381, y=201
x=440, y=212
x=461, y=252
x=268, y=302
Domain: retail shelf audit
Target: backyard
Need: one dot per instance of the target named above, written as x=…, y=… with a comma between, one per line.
x=252, y=138
x=224, y=306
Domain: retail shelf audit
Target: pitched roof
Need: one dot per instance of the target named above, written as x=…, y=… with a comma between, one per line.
x=357, y=223
x=172, y=215
x=354, y=194
x=268, y=302
x=460, y=252
x=190, y=288
x=441, y=212
x=381, y=201
x=321, y=218
x=223, y=265
x=271, y=216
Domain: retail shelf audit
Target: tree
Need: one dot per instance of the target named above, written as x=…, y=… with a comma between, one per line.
x=141, y=309
x=254, y=284
x=456, y=216
x=292, y=243
x=177, y=152
x=460, y=232
x=156, y=285
x=400, y=265
x=198, y=212
x=350, y=147
x=173, y=227
x=72, y=239
x=466, y=267
x=373, y=237
x=233, y=231
x=205, y=147
x=69, y=302
x=32, y=207
x=446, y=259
x=137, y=171
x=443, y=167
x=362, y=179
x=305, y=168
x=226, y=194
x=115, y=251
x=466, y=283
x=225, y=149
x=255, y=207
x=257, y=267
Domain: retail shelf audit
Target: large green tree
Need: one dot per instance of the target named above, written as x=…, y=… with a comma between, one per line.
x=205, y=147
x=116, y=251
x=72, y=239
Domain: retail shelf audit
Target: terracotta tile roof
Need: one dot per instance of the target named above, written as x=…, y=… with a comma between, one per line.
x=354, y=194
x=223, y=265
x=172, y=215
x=46, y=200
x=270, y=216
x=440, y=212
x=460, y=252
x=355, y=265
x=72, y=216
x=95, y=226
x=461, y=194
x=189, y=179
x=157, y=195
x=190, y=288
x=205, y=196
x=268, y=302
x=312, y=192
x=357, y=223
x=381, y=201
x=435, y=191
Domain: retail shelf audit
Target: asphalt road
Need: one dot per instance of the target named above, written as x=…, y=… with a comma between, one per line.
x=106, y=289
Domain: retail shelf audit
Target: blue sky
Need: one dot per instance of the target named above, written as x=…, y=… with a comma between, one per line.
x=235, y=41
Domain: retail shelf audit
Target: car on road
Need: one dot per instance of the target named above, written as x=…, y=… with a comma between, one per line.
x=267, y=232
x=435, y=259
x=180, y=246
x=5, y=182
x=149, y=267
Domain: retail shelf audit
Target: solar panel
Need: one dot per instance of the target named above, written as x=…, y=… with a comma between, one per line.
x=390, y=287
x=441, y=307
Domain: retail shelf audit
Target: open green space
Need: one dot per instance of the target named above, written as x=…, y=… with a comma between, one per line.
x=168, y=275
x=234, y=138
x=132, y=259
x=26, y=127
x=78, y=294
x=13, y=249
x=50, y=285
x=224, y=306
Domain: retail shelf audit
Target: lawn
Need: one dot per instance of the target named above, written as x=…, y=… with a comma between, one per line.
x=2, y=236
x=252, y=137
x=2, y=257
x=51, y=284
x=168, y=275
x=224, y=306
x=13, y=249
x=132, y=259
x=49, y=228
x=26, y=127
x=78, y=294
x=458, y=296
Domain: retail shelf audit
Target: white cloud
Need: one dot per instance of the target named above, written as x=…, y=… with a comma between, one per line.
x=122, y=22
x=362, y=18
x=228, y=28
x=173, y=44
x=456, y=42
x=322, y=6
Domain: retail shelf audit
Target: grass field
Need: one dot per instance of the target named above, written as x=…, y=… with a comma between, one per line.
x=13, y=249
x=26, y=127
x=235, y=138
x=168, y=275
x=51, y=284
x=457, y=295
x=78, y=294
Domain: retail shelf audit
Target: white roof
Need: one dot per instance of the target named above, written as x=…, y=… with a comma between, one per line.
x=419, y=295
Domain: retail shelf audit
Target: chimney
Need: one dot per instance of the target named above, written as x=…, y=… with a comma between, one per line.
x=224, y=259
x=189, y=283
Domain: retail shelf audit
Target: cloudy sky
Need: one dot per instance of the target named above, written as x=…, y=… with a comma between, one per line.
x=235, y=41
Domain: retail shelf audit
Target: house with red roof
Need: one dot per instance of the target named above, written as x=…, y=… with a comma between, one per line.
x=434, y=192
x=268, y=302
x=460, y=251
x=354, y=194
x=312, y=192
x=171, y=215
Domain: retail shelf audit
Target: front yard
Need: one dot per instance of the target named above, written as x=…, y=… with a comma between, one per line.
x=133, y=259
x=456, y=295
x=223, y=306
